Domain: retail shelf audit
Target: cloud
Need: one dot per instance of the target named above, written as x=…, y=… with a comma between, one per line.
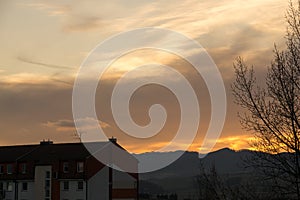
x=226, y=28
x=237, y=142
x=74, y=18
x=61, y=123
x=51, y=9
x=23, y=80
x=46, y=112
x=27, y=60
x=82, y=23
x=191, y=17
x=69, y=125
x=248, y=32
x=69, y=83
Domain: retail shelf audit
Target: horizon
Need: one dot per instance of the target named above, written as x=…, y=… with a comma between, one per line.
x=173, y=151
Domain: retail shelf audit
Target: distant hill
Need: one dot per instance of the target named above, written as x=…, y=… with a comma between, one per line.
x=227, y=161
x=180, y=176
x=187, y=165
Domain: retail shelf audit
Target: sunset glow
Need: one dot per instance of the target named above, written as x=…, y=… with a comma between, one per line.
x=43, y=44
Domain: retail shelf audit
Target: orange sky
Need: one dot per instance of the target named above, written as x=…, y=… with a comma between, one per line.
x=44, y=43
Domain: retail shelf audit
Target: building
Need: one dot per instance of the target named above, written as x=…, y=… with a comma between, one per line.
x=68, y=171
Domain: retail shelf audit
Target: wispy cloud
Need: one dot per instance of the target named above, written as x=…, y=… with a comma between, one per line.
x=42, y=64
x=69, y=125
x=69, y=83
x=23, y=79
x=236, y=142
x=226, y=28
x=82, y=24
x=61, y=125
x=51, y=8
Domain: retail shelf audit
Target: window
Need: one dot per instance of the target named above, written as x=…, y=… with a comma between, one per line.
x=9, y=169
x=65, y=167
x=66, y=185
x=9, y=186
x=80, y=185
x=48, y=175
x=23, y=168
x=55, y=175
x=24, y=186
x=80, y=167
x=47, y=183
x=1, y=169
x=47, y=193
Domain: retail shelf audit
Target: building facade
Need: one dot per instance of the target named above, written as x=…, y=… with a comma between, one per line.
x=61, y=172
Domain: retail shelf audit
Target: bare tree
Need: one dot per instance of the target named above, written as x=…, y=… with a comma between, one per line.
x=210, y=185
x=272, y=112
x=215, y=186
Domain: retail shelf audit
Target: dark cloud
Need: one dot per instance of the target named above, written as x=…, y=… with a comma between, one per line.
x=25, y=107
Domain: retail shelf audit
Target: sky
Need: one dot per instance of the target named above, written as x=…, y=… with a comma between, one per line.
x=43, y=44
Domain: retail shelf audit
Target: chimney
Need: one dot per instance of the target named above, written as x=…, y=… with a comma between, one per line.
x=113, y=140
x=46, y=142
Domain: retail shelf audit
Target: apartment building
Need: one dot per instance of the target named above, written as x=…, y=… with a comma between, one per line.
x=49, y=171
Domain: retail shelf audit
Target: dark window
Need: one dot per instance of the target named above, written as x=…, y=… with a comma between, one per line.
x=48, y=174
x=80, y=167
x=9, y=169
x=66, y=185
x=23, y=168
x=24, y=186
x=80, y=185
x=47, y=183
x=47, y=193
x=55, y=175
x=1, y=169
x=65, y=167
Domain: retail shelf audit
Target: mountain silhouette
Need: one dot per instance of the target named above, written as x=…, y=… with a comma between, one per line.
x=180, y=176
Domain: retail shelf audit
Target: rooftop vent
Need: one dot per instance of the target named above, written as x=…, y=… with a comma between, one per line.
x=46, y=142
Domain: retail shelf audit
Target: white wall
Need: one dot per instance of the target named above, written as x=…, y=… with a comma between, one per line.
x=9, y=195
x=122, y=180
x=39, y=180
x=29, y=194
x=98, y=185
x=73, y=192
